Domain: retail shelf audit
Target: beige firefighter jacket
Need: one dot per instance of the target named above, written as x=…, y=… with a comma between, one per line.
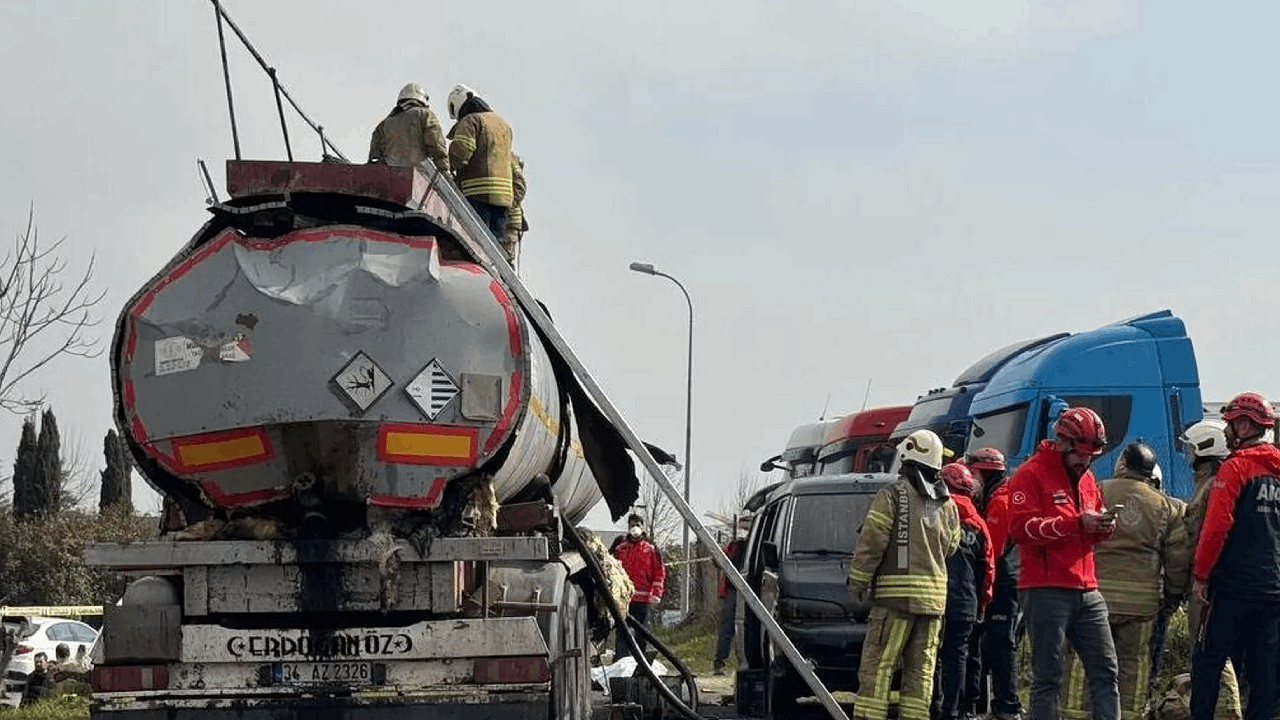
x=407, y=137
x=1150, y=555
x=903, y=548
x=480, y=155
x=515, y=217
x=1199, y=502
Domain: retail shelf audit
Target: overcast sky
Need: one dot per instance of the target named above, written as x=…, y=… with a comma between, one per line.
x=851, y=191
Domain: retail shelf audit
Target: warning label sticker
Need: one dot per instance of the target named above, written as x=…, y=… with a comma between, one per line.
x=177, y=354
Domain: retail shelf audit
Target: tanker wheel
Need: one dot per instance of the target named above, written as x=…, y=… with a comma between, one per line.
x=570, y=674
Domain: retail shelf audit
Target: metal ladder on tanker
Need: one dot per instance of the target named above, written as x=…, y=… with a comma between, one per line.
x=476, y=236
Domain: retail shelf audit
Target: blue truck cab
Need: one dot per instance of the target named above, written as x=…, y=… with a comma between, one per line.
x=946, y=410
x=1139, y=374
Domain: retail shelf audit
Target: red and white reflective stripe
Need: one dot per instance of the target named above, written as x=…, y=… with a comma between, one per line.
x=1043, y=529
x=130, y=678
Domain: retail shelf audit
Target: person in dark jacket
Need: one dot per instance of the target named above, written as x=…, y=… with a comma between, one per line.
x=39, y=683
x=969, y=577
x=1237, y=564
x=1057, y=518
x=726, y=623
x=643, y=563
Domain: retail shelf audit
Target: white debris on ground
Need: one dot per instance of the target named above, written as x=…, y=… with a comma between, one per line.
x=625, y=667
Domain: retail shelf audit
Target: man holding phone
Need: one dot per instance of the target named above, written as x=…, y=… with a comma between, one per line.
x=1056, y=516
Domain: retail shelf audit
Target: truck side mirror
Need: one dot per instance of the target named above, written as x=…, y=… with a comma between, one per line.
x=774, y=463
x=769, y=553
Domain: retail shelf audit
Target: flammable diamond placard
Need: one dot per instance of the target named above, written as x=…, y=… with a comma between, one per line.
x=432, y=389
x=361, y=381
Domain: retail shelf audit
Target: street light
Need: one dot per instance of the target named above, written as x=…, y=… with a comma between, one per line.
x=649, y=269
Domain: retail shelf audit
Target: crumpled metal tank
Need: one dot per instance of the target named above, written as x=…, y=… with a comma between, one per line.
x=371, y=364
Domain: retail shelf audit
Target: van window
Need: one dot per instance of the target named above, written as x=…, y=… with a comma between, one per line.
x=827, y=523
x=1002, y=430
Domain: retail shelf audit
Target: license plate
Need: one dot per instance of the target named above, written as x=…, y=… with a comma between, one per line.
x=346, y=673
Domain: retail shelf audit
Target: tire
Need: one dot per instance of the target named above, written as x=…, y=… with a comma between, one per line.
x=570, y=678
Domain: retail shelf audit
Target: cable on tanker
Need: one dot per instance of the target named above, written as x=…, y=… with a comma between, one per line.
x=620, y=619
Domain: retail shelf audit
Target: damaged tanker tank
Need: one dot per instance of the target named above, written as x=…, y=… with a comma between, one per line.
x=369, y=459
x=322, y=359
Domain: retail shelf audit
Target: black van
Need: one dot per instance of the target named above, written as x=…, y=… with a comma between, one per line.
x=796, y=560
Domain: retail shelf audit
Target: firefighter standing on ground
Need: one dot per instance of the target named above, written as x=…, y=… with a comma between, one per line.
x=410, y=133
x=1056, y=517
x=1146, y=564
x=1237, y=564
x=910, y=530
x=998, y=632
x=1207, y=440
x=480, y=155
x=969, y=579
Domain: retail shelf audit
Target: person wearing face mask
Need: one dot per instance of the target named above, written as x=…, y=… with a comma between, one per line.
x=643, y=563
x=728, y=600
x=1057, y=517
x=1236, y=561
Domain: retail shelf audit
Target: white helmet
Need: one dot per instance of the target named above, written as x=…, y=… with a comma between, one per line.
x=1207, y=438
x=922, y=446
x=457, y=96
x=412, y=91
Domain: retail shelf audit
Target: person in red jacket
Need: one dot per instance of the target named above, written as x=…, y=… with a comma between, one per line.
x=726, y=624
x=1056, y=517
x=1237, y=564
x=969, y=580
x=643, y=563
x=998, y=631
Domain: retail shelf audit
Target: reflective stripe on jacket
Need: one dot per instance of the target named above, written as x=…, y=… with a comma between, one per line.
x=903, y=548
x=1149, y=556
x=480, y=155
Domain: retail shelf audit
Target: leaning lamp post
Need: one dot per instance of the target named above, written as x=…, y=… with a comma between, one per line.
x=648, y=269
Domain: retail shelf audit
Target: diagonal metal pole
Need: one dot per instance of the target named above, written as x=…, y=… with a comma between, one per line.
x=489, y=256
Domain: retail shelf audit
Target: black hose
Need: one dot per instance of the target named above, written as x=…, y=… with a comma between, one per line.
x=689, y=680
x=621, y=626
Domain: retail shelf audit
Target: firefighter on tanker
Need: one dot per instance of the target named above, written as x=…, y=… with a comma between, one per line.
x=410, y=133
x=998, y=654
x=1207, y=441
x=969, y=579
x=1147, y=561
x=910, y=530
x=1057, y=517
x=1237, y=564
x=481, y=158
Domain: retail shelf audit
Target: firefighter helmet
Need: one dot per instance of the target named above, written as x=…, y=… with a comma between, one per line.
x=457, y=96
x=412, y=91
x=987, y=458
x=958, y=479
x=1207, y=439
x=1082, y=429
x=1250, y=405
x=923, y=447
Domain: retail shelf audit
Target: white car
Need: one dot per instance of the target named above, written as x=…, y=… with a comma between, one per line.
x=42, y=635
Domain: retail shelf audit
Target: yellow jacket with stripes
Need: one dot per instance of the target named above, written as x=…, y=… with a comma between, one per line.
x=480, y=155
x=1150, y=555
x=903, y=549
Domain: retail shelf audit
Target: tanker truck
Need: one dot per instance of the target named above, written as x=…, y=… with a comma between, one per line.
x=370, y=462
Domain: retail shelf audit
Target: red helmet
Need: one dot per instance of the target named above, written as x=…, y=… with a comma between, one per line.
x=1250, y=405
x=1082, y=429
x=958, y=479
x=987, y=458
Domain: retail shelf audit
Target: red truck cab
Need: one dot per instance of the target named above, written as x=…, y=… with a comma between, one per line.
x=859, y=442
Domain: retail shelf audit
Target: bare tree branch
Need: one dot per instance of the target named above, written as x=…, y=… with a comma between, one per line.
x=41, y=317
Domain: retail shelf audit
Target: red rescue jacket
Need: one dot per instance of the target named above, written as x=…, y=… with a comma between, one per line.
x=643, y=563
x=1239, y=549
x=970, y=517
x=1044, y=519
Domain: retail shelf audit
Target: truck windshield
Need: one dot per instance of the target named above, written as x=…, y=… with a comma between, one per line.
x=925, y=410
x=827, y=524
x=1001, y=430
